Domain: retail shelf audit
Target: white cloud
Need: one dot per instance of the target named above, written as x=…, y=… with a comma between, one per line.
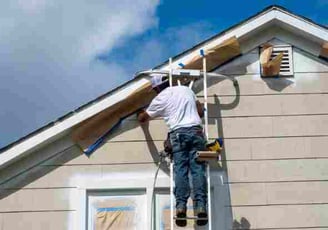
x=48, y=54
x=48, y=48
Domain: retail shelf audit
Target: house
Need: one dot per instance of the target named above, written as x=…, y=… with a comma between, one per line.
x=274, y=168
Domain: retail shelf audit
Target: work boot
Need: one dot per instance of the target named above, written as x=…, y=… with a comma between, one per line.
x=201, y=213
x=181, y=213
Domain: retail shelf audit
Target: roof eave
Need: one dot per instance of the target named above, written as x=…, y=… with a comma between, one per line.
x=61, y=127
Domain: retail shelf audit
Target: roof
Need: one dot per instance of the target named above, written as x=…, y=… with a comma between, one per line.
x=63, y=124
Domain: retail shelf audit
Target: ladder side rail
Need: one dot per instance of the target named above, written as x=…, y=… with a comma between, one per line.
x=205, y=98
x=209, y=200
x=171, y=162
x=171, y=195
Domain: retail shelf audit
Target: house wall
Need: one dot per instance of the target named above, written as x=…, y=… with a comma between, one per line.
x=275, y=145
x=273, y=174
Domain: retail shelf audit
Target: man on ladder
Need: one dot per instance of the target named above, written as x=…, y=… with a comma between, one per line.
x=182, y=113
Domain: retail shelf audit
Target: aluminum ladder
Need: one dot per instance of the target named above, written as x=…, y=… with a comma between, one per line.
x=209, y=155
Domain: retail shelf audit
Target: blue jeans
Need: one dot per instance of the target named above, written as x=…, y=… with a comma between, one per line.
x=185, y=143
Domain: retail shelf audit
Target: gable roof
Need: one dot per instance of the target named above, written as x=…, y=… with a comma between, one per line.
x=60, y=127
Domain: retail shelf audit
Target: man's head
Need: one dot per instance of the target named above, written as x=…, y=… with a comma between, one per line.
x=159, y=82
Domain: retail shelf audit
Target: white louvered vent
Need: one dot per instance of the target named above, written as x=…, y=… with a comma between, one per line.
x=286, y=67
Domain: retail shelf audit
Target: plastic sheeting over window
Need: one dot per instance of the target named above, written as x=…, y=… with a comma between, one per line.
x=116, y=212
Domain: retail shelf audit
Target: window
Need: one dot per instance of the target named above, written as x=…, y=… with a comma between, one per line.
x=117, y=210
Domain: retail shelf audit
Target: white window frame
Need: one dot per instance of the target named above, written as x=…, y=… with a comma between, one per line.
x=142, y=182
x=135, y=184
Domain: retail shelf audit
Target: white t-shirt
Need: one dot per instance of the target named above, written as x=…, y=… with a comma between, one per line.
x=177, y=106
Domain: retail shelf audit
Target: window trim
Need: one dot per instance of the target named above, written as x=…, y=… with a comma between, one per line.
x=133, y=184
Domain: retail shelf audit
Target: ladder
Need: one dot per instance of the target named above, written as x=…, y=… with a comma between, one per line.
x=202, y=155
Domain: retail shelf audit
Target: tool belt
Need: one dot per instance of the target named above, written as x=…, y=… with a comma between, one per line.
x=167, y=145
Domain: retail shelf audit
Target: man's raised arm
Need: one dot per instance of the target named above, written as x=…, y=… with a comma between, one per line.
x=143, y=116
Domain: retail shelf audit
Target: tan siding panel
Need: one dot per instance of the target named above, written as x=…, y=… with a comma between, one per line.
x=275, y=126
x=247, y=194
x=304, y=62
x=235, y=149
x=300, y=125
x=38, y=200
x=38, y=221
x=293, y=216
x=72, y=176
x=279, y=193
x=276, y=148
x=268, y=105
x=247, y=63
x=278, y=170
x=36, y=158
x=47, y=177
x=235, y=128
x=117, y=153
x=253, y=85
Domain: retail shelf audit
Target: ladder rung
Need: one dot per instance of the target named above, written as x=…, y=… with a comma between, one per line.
x=190, y=218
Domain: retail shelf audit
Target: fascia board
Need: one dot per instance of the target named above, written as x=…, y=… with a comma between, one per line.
x=23, y=148
x=301, y=24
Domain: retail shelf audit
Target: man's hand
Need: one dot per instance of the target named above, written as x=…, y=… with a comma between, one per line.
x=143, y=116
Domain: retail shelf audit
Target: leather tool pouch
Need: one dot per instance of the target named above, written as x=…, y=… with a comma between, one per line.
x=167, y=145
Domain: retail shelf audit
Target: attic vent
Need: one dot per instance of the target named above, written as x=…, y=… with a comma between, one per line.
x=276, y=60
x=286, y=66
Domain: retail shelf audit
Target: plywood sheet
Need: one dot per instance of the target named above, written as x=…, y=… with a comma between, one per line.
x=270, y=67
x=95, y=127
x=217, y=55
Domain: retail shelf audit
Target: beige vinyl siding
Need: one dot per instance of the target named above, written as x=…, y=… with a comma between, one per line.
x=253, y=84
x=276, y=141
x=284, y=216
x=51, y=220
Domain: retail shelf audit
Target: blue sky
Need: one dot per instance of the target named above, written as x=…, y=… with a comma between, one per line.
x=57, y=55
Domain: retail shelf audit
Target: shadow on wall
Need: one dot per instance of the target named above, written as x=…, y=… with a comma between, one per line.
x=242, y=225
x=277, y=84
x=225, y=216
